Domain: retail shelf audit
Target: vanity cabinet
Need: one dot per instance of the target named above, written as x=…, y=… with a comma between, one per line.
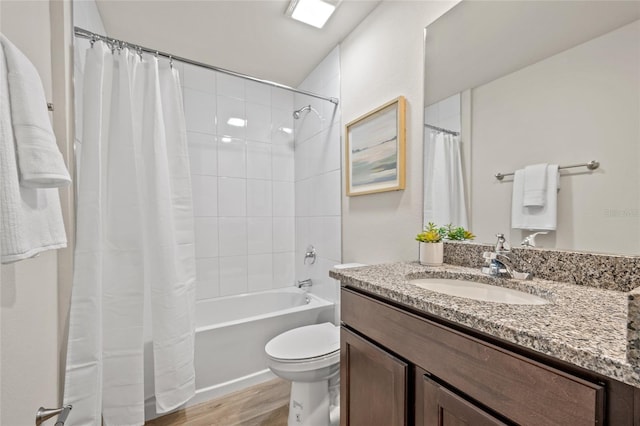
x=406, y=368
x=377, y=383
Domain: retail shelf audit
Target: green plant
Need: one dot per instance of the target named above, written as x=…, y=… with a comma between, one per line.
x=431, y=234
x=434, y=234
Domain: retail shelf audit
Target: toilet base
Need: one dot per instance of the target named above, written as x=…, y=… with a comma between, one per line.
x=309, y=404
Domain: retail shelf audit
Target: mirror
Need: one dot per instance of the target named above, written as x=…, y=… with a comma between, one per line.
x=541, y=82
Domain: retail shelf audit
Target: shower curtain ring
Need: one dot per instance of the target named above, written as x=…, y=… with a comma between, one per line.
x=170, y=61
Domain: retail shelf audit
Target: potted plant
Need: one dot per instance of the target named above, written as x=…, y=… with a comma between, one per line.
x=431, y=241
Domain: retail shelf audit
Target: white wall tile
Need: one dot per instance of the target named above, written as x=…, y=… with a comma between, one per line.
x=230, y=86
x=282, y=99
x=199, y=78
x=232, y=234
x=259, y=197
x=330, y=149
x=199, y=111
x=232, y=197
x=282, y=128
x=258, y=122
x=258, y=160
x=283, y=269
x=302, y=237
x=283, y=199
x=282, y=163
x=205, y=195
x=328, y=197
x=203, y=154
x=257, y=93
x=304, y=197
x=325, y=233
x=260, y=235
x=230, y=108
x=206, y=236
x=284, y=234
x=232, y=157
x=233, y=275
x=207, y=278
x=260, y=272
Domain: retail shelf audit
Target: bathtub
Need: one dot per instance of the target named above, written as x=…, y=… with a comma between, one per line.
x=231, y=333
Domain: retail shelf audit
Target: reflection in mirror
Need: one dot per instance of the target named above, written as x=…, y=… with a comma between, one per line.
x=573, y=99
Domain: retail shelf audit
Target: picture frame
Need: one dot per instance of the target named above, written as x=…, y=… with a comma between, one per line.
x=375, y=150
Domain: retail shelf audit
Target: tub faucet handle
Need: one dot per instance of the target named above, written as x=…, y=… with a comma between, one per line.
x=310, y=254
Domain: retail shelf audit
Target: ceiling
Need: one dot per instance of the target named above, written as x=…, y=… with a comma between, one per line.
x=252, y=37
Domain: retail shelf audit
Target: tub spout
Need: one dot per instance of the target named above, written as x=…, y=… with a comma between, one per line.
x=304, y=283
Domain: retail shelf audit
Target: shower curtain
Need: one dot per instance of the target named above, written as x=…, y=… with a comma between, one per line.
x=444, y=199
x=134, y=272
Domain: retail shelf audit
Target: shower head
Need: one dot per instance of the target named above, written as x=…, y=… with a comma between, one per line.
x=297, y=113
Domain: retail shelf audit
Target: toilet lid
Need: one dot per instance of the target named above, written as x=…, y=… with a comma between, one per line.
x=310, y=341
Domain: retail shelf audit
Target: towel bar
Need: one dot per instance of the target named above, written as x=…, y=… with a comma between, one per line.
x=591, y=165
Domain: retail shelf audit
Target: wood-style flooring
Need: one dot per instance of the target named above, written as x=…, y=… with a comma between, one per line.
x=265, y=404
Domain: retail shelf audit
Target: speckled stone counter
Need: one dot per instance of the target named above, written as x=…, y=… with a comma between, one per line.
x=582, y=325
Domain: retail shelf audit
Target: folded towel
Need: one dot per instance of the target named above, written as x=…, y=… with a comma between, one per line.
x=535, y=185
x=40, y=162
x=31, y=218
x=535, y=218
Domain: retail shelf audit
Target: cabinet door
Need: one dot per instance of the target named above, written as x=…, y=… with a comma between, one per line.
x=441, y=407
x=373, y=384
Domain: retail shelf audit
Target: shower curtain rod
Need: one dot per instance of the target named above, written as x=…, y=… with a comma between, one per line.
x=440, y=129
x=82, y=33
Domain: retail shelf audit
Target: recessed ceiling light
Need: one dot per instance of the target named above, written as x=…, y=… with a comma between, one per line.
x=237, y=122
x=312, y=12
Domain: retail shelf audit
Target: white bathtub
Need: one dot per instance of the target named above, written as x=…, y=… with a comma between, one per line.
x=231, y=333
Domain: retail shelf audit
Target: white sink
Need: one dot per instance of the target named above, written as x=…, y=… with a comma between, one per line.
x=478, y=291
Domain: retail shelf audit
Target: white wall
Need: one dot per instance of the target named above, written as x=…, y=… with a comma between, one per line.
x=582, y=104
x=242, y=181
x=317, y=167
x=28, y=297
x=381, y=60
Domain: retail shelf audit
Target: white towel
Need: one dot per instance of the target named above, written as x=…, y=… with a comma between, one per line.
x=535, y=218
x=31, y=219
x=40, y=162
x=535, y=185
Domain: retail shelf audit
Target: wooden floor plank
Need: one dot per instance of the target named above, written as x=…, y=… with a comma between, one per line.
x=265, y=404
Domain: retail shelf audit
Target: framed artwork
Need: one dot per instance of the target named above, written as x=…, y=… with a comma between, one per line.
x=375, y=150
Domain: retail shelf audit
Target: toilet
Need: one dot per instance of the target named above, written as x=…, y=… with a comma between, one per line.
x=309, y=357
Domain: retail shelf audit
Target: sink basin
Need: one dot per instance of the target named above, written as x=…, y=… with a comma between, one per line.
x=478, y=291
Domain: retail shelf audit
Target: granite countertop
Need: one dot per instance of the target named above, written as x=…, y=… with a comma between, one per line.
x=582, y=325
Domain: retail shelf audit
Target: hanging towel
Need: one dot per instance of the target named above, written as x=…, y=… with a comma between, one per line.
x=444, y=200
x=535, y=218
x=40, y=163
x=31, y=217
x=535, y=185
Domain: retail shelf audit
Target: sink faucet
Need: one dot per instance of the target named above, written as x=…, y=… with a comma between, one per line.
x=497, y=262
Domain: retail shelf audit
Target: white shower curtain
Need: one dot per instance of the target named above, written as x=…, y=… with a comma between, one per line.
x=134, y=273
x=444, y=198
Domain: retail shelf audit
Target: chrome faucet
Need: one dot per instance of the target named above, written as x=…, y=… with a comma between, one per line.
x=498, y=263
x=304, y=283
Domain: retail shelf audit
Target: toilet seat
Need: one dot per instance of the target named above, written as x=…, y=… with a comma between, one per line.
x=318, y=342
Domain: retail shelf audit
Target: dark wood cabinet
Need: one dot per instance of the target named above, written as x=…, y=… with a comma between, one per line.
x=442, y=407
x=398, y=361
x=373, y=384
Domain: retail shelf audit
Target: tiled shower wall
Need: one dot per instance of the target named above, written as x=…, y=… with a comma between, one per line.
x=242, y=164
x=317, y=178
x=258, y=205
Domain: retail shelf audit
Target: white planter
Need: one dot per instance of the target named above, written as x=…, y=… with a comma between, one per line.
x=431, y=254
